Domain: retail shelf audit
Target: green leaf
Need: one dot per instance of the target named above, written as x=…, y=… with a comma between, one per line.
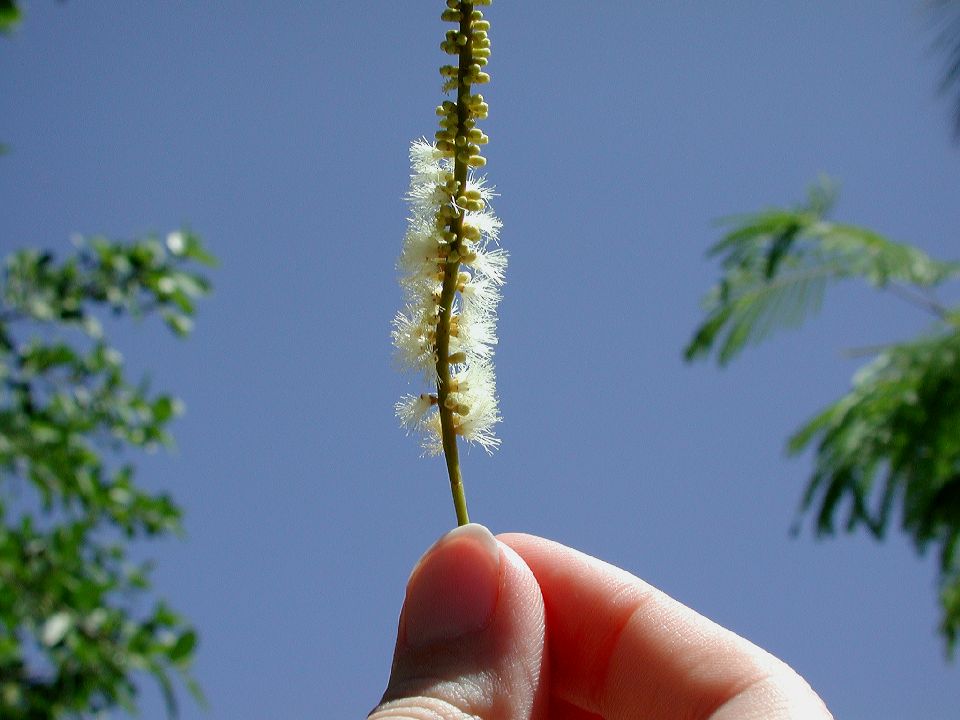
x=196, y=252
x=10, y=15
x=193, y=687
x=183, y=648
x=778, y=263
x=164, y=408
x=166, y=689
x=180, y=324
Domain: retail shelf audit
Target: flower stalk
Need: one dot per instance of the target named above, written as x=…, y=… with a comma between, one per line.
x=450, y=276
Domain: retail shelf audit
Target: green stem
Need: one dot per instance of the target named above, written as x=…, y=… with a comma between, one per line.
x=448, y=291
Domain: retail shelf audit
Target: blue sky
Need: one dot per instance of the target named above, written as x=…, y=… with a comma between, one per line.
x=620, y=131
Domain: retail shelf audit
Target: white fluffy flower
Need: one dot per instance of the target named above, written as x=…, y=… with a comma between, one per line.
x=492, y=264
x=476, y=336
x=471, y=398
x=411, y=336
x=480, y=397
x=412, y=409
x=486, y=222
x=480, y=297
x=424, y=157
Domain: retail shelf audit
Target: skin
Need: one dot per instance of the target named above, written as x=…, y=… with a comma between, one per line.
x=521, y=627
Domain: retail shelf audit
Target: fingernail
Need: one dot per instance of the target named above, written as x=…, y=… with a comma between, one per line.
x=453, y=590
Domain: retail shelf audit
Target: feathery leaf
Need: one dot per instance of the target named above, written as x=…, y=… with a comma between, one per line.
x=776, y=267
x=895, y=439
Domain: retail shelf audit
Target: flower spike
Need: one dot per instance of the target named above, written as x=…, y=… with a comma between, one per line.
x=449, y=273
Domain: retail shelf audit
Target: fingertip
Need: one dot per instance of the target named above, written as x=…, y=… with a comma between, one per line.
x=471, y=633
x=453, y=589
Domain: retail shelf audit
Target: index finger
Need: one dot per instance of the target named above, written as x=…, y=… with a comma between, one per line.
x=620, y=648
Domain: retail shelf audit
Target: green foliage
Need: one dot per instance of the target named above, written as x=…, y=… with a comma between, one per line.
x=894, y=440
x=896, y=437
x=10, y=15
x=777, y=264
x=946, y=14
x=73, y=628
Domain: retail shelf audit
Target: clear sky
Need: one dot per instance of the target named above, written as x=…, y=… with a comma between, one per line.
x=619, y=132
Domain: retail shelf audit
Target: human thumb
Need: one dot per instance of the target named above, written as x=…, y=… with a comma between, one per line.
x=471, y=637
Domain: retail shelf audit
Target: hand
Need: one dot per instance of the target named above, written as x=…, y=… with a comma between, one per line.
x=527, y=628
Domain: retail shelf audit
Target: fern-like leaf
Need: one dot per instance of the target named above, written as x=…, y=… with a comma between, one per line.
x=946, y=14
x=894, y=440
x=777, y=264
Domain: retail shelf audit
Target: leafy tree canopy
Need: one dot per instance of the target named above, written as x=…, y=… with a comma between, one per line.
x=73, y=629
x=893, y=442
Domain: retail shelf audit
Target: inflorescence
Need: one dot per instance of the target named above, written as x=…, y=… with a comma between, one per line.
x=450, y=273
